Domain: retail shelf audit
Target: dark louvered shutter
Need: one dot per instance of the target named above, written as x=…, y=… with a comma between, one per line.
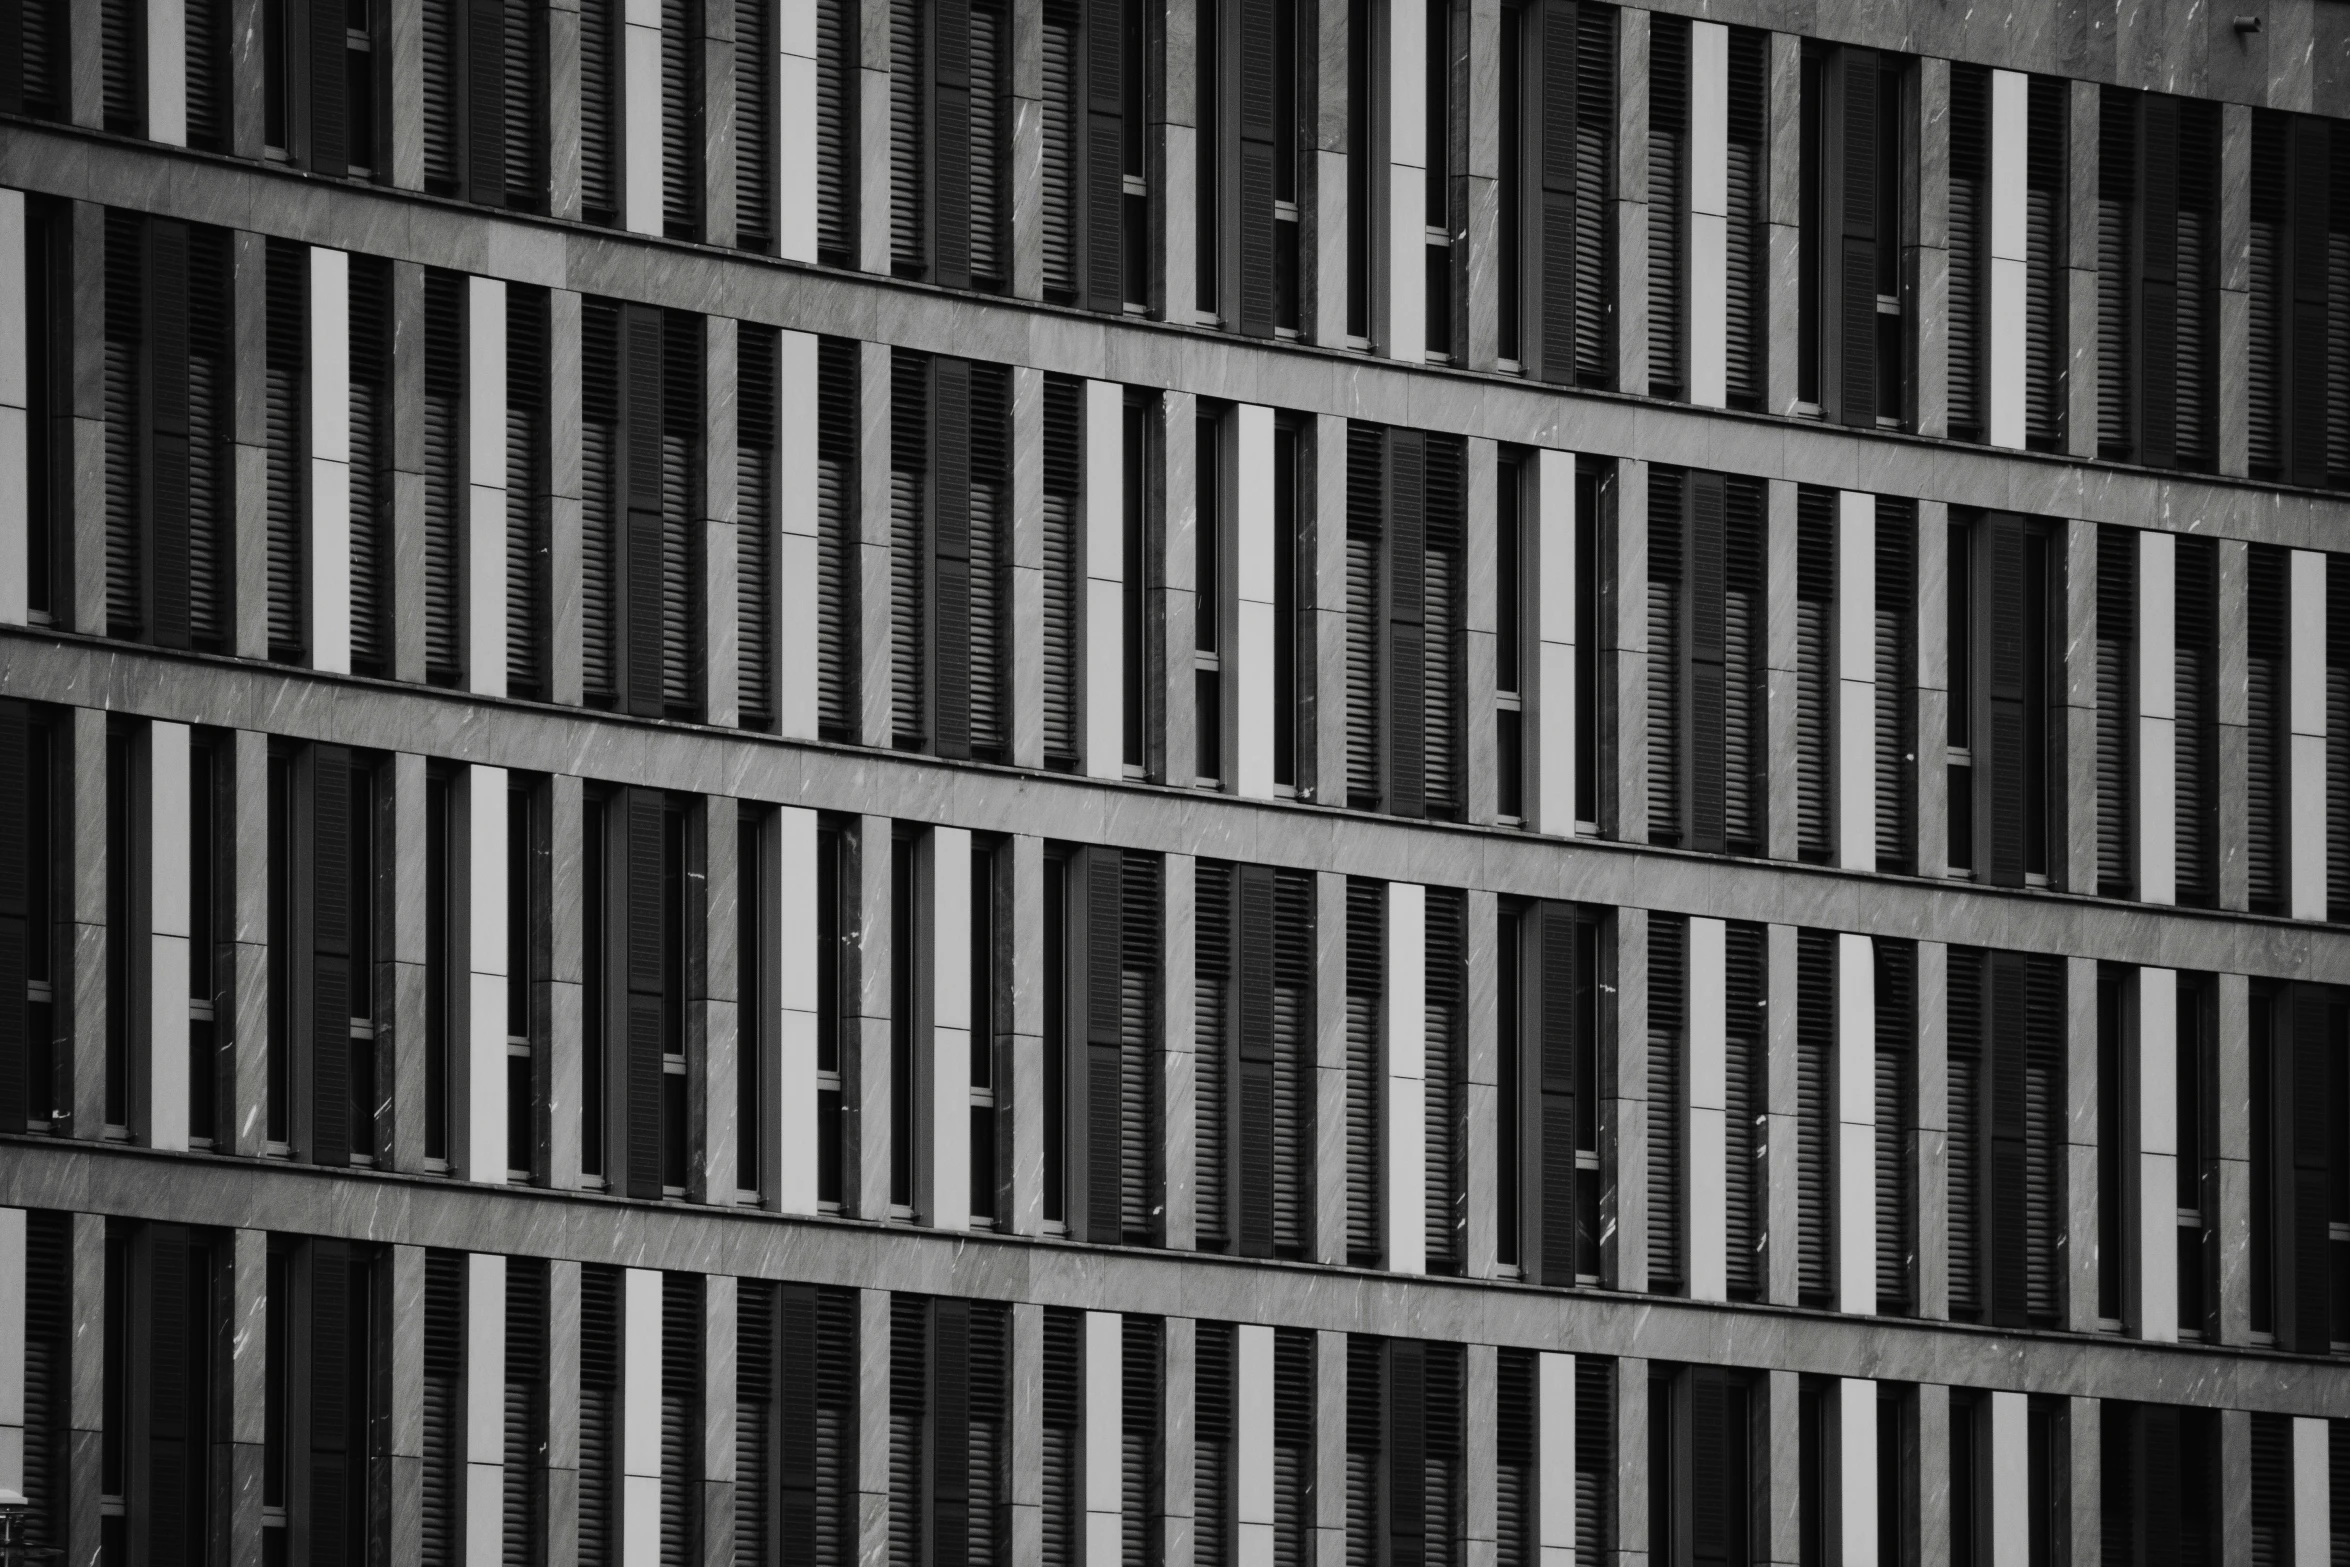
x=1406, y=538
x=329, y=46
x=1709, y=1441
x=641, y=551
x=2006, y=1091
x=1895, y=1100
x=1553, y=274
x=1852, y=142
x=446, y=492
x=2309, y=176
x=16, y=913
x=1706, y=679
x=2157, y=1472
x=642, y=813
x=1815, y=1127
x=681, y=1418
x=1366, y=977
x=330, y=963
x=2157, y=248
x=797, y=1417
x=1548, y=974
x=949, y=1531
x=1256, y=267
x=166, y=544
x=2002, y=582
x=1099, y=1145
x=2117, y=706
x=949, y=494
x=950, y=143
x=2267, y=745
x=2303, y=1102
x=331, y=1326
x=524, y=1509
x=485, y=102
x=172, y=1504
x=1252, y=1137
x=1406, y=1454
x=439, y=1507
x=1105, y=163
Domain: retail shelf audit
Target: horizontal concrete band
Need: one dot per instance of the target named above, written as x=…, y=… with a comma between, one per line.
x=526, y=737
x=408, y=226
x=522, y=1221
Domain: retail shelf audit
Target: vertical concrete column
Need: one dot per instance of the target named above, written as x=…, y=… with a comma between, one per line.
x=485, y=1408
x=2003, y=380
x=1705, y=1116
x=1024, y=1441
x=329, y=598
x=1778, y=1471
x=865, y=1069
x=79, y=600
x=1709, y=214
x=243, y=1014
x=1105, y=1437
x=1925, y=241
x=244, y=1412
x=1481, y=1086
x=566, y=485
x=1329, y=1483
x=1780, y=545
x=1321, y=750
x=85, y=1390
x=942, y=1027
x=79, y=973
x=1102, y=681
x=1623, y=1115
x=1480, y=562
x=1177, y=1064
x=1327, y=1201
x=640, y=116
x=1027, y=563
x=2079, y=278
x=721, y=515
x=719, y=1472
x=1402, y=327
x=1027, y=167
x=1930, y=609
x=398, y=1299
x=2235, y=1159
x=1856, y=1135
x=401, y=991
x=164, y=64
x=1179, y=1338
x=2150, y=1189
x=1480, y=1365
x=788, y=1132
x=2232, y=766
x=1631, y=199
x=1856, y=680
x=1172, y=166
x=792, y=609
x=2157, y=719
x=1480, y=184
x=2080, y=1241
x=1020, y=1099
x=484, y=613
x=2233, y=338
x=1554, y=1454
x=640, y=1416
x=2079, y=1528
x=12, y=1273
x=562, y=1459
x=1252, y=1445
x=1625, y=672
x=1927, y=1456
x=1171, y=615
x=2009, y=1471
x=15, y=397
x=794, y=197
x=1403, y=1196
x=714, y=1035
x=1248, y=651
x=160, y=929
x=561, y=127
x=404, y=635
x=872, y=1417
x=1856, y=1472
x=2234, y=1427
x=1929, y=1154
x=1629, y=1527
x=2313, y=1535
x=872, y=21
x=2305, y=704
x=874, y=632
x=1323, y=268
x=402, y=76
x=1783, y=217
x=1781, y=1112
x=566, y=851
x=1550, y=716
x=2078, y=779
x=485, y=826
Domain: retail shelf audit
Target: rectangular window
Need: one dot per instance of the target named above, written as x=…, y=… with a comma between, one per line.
x=2268, y=744
x=1668, y=946
x=1700, y=1493
x=1851, y=333
x=35, y=80
x=949, y=136
x=2117, y=709
x=1294, y=1459
x=1816, y=682
x=1404, y=542
x=835, y=920
x=1746, y=248
x=1970, y=249
x=836, y=133
x=446, y=491
x=1253, y=985
x=2198, y=1154
x=529, y=460
x=1063, y=580
x=1403, y=1448
x=2005, y=583
x=1895, y=667
x=756, y=544
x=949, y=555
x=526, y=904
x=1096, y=195
x=990, y=1016
x=1557, y=219
x=1549, y=1044
x=1208, y=595
x=2195, y=755
x=2289, y=378
x=286, y=460
x=374, y=455
x=1110, y=1108
x=320, y=74
x=1137, y=446
x=446, y=1017
x=122, y=875
x=485, y=102
x=1510, y=650
x=1668, y=206
x=2299, y=1129
x=2006, y=1098
x=1249, y=199
x=1437, y=177
x=1816, y=1017
x=837, y=512
x=601, y=153
x=1289, y=628
x=1707, y=670
x=2047, y=243
x=1895, y=1103
x=2157, y=264
x=637, y=961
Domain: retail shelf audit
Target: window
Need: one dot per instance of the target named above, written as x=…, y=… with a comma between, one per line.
x=756, y=544
x=485, y=102
x=1403, y=1451
x=2267, y=718
x=795, y=1367
x=2001, y=596
x=320, y=878
x=949, y=555
x=374, y=452
x=1668, y=1014
x=1064, y=583
x=1096, y=198
x=286, y=461
x=2047, y=204
x=756, y=903
x=1250, y=178
x=1895, y=666
x=682, y=108
x=636, y=965
x=990, y=1025
x=1557, y=240
x=526, y=903
x=1548, y=1104
x=1442, y=218
x=1209, y=591
x=2289, y=378
x=34, y=71
x=1109, y=1107
x=838, y=416
x=2117, y=708
x=1706, y=662
x=1816, y=680
x=948, y=1452
x=1895, y=1100
x=447, y=1006
x=446, y=492
x=1444, y=1044
x=1253, y=1009
x=1404, y=528
x=836, y=137
x=950, y=135
x=1851, y=335
x=2198, y=1155
x=323, y=1403
x=319, y=71
x=156, y=1466
x=2157, y=270
x=1668, y=207
x=1746, y=1054
x=529, y=461
x=2159, y=1484
x=1970, y=249
x=835, y=923
x=2006, y=1101
x=602, y=154
x=1700, y=1467
x=2300, y=1129
x=2195, y=790
x=1289, y=628
x=1746, y=244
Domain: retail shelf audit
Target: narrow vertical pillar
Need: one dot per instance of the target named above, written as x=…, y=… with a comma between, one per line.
x=872, y=1457
x=1177, y=1067
x=1404, y=333
x=565, y=854
x=15, y=398
x=485, y=1409
x=1625, y=671
x=942, y=1028
x=1783, y=218
x=242, y=1016
x=640, y=116
x=78, y=601
x=398, y=1300
x=1328, y=1200
x=1252, y=1445
x=2009, y=1470
x=1856, y=1472
x=1631, y=200
x=2079, y=1527
x=1782, y=549
x=1709, y=214
x=788, y=879
x=2157, y=719
x=164, y=64
x=795, y=135
x=1929, y=1153
x=1172, y=165
x=79, y=961
x=1026, y=574
x=329, y=598
x=792, y=611
x=2073, y=761
x=1480, y=1087
x=715, y=1038
x=1171, y=610
x=1404, y=1139
x=2079, y=1239
x=1020, y=1103
x=1550, y=716
x=159, y=1092
x=865, y=1067
x=870, y=20
x=2078, y=301
x=1321, y=676
x=716, y=522
x=2231, y=337
x=1105, y=1411
x=2313, y=1533
x=1103, y=723
x=713, y=1457
x=1328, y=304
x=1856, y=1131
x=2306, y=846
x=403, y=636
x=1705, y=1116
x=1554, y=1454
x=2235, y=1157
x=12, y=1271
x=1924, y=237
x=566, y=486
x=562, y=1458
x=1623, y=1116
x=484, y=611
x=1856, y=680
x=1782, y=1109
x=2150, y=1189
x=1248, y=672
x=1778, y=1472
x=1927, y=1457
x=484, y=1141
x=1929, y=606
x=1024, y=1441
x=640, y=1417
x=2003, y=381
x=1025, y=178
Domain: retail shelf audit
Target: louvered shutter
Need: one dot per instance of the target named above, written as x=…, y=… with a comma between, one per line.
x=1706, y=680
x=1098, y=1132
x=1709, y=1439
x=1895, y=668
x=1105, y=168
x=171, y=1423
x=329, y=1366
x=1366, y=976
x=680, y=43
x=950, y=143
x=2303, y=1234
x=1895, y=1099
x=1253, y=194
x=1815, y=1128
x=1553, y=274
x=1547, y=973
x=1852, y=312
x=949, y=494
x=446, y=493
x=642, y=812
x=599, y=1436
x=1252, y=1137
x=2006, y=1091
x=1667, y=1012
x=2156, y=1476
x=523, y=1510
x=16, y=914
x=485, y=101
x=2157, y=254
x=797, y=1418
x=2117, y=619
x=1406, y=1454
x=641, y=547
x=442, y=1455
x=2309, y=175
x=2002, y=647
x=325, y=86
x=165, y=547
x=1405, y=579
x=949, y=1530
x=330, y=962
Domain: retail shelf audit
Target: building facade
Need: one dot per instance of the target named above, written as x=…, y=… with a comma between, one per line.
x=1175, y=783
